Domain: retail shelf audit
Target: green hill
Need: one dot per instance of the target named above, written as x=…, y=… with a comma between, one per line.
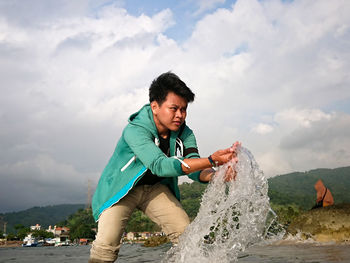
x=298, y=188
x=45, y=216
x=287, y=193
x=191, y=194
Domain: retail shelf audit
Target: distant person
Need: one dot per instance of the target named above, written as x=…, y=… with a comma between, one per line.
x=155, y=148
x=324, y=195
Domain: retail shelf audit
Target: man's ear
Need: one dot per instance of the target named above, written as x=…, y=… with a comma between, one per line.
x=154, y=106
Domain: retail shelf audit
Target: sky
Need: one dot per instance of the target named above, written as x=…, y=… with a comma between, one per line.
x=272, y=74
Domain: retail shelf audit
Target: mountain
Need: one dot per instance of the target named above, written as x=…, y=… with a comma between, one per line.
x=294, y=189
x=45, y=216
x=298, y=188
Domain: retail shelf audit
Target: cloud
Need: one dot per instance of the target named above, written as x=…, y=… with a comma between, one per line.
x=267, y=73
x=204, y=5
x=321, y=136
x=303, y=118
x=64, y=83
x=41, y=181
x=263, y=128
x=301, y=137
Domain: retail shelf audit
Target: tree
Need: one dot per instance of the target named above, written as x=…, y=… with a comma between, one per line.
x=139, y=222
x=41, y=234
x=191, y=195
x=81, y=231
x=191, y=206
x=18, y=226
x=81, y=224
x=11, y=236
x=22, y=231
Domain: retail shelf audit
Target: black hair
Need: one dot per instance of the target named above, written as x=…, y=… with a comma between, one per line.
x=169, y=82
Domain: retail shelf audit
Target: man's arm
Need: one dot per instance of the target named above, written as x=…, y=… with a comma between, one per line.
x=207, y=174
x=141, y=142
x=219, y=157
x=205, y=166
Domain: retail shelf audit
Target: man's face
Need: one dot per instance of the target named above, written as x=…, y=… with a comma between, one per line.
x=171, y=114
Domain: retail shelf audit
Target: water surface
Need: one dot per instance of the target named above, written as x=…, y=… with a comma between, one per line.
x=296, y=253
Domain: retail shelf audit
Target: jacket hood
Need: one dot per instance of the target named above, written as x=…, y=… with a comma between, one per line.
x=144, y=118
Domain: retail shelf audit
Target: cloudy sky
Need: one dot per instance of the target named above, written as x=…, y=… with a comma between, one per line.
x=272, y=74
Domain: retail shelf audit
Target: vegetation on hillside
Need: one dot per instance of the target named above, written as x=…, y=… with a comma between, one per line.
x=80, y=224
x=191, y=194
x=45, y=216
x=22, y=232
x=290, y=194
x=298, y=188
x=139, y=222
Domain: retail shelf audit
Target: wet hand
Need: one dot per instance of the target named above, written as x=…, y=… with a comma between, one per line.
x=230, y=174
x=234, y=147
x=222, y=156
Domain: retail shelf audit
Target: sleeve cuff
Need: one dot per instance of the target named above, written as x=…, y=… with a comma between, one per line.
x=178, y=167
x=192, y=155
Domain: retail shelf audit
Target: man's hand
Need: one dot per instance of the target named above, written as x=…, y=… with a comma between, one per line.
x=234, y=147
x=222, y=156
x=230, y=174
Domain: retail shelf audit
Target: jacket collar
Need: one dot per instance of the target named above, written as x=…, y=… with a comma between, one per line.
x=144, y=118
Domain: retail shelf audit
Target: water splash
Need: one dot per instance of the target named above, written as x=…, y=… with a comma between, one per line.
x=232, y=216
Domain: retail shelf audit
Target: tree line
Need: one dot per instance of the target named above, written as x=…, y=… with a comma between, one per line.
x=289, y=195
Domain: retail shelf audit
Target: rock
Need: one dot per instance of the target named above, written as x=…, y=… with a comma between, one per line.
x=325, y=224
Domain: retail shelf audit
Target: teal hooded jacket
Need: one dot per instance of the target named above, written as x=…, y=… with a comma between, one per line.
x=137, y=151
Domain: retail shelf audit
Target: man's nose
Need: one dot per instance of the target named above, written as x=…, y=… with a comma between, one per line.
x=178, y=113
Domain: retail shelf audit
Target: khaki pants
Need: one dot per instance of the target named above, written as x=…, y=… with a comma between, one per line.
x=156, y=201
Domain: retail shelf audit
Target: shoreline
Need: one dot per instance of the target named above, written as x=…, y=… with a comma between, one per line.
x=283, y=242
x=11, y=243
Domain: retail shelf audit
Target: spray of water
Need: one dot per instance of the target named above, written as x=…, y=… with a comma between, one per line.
x=233, y=216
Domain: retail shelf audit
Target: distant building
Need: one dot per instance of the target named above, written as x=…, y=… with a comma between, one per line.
x=61, y=235
x=130, y=236
x=36, y=227
x=58, y=231
x=84, y=241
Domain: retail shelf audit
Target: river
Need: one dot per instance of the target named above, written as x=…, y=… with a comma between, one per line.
x=136, y=253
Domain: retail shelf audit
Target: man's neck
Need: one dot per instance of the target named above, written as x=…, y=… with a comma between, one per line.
x=165, y=134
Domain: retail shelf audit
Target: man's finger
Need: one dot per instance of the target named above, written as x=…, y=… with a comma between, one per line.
x=229, y=150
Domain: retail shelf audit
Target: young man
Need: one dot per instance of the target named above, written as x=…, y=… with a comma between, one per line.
x=156, y=147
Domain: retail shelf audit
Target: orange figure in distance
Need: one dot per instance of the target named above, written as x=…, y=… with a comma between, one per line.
x=324, y=195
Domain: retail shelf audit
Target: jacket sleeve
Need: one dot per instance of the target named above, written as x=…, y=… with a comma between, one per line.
x=141, y=142
x=191, y=151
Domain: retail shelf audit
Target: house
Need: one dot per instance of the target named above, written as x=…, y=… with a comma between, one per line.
x=84, y=241
x=130, y=236
x=57, y=231
x=36, y=227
